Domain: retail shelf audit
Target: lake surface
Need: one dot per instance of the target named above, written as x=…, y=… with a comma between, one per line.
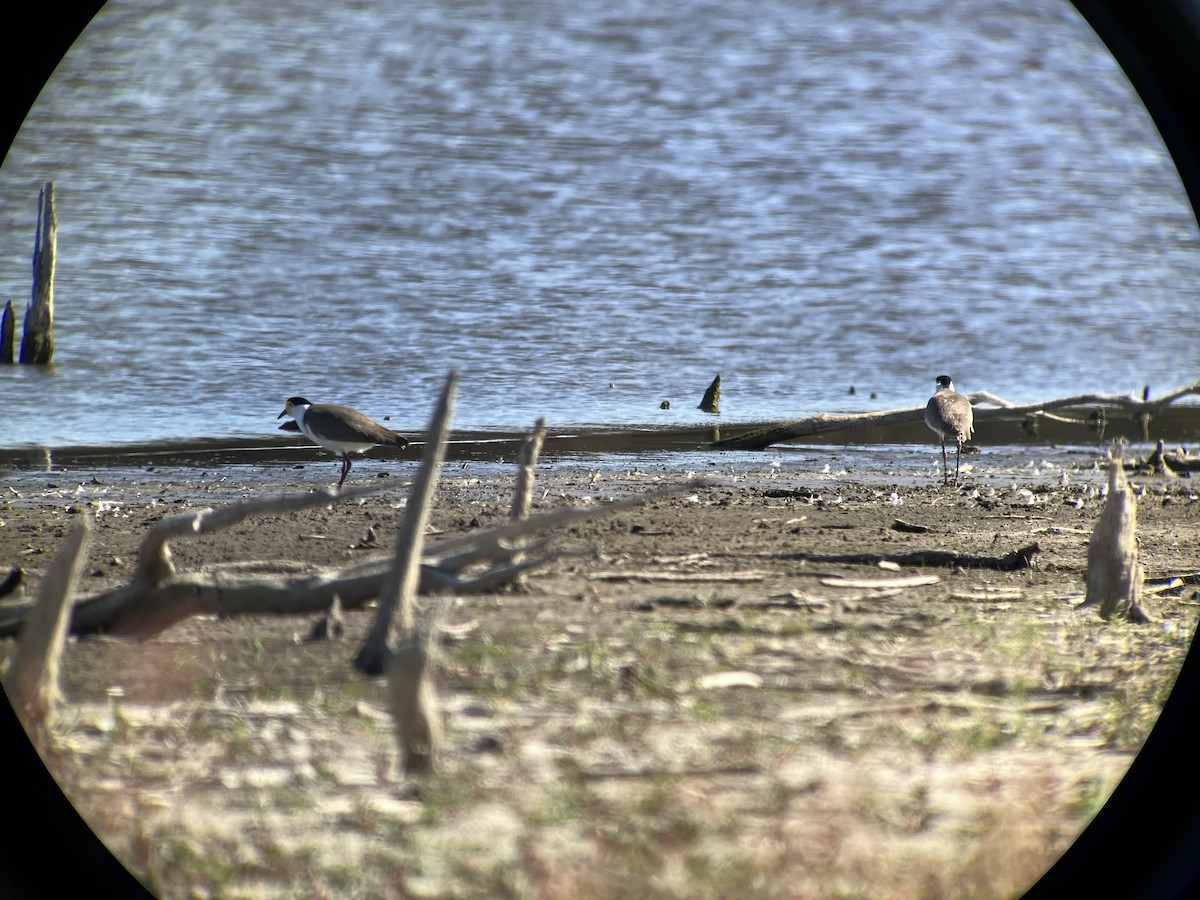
x=587, y=209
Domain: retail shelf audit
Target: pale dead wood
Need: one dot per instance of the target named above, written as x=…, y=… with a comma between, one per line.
x=1130, y=402
x=826, y=423
x=140, y=610
x=400, y=582
x=655, y=575
x=31, y=681
x=412, y=697
x=527, y=459
x=154, y=556
x=496, y=537
x=394, y=643
x=906, y=581
x=1114, y=573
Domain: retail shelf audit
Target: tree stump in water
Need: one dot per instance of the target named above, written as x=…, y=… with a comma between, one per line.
x=7, y=320
x=37, y=344
x=712, y=397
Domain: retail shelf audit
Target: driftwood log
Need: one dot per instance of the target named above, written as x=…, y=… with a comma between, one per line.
x=1166, y=462
x=1014, y=561
x=480, y=560
x=767, y=436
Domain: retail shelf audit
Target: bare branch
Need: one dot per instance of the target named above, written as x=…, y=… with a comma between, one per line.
x=531, y=449
x=143, y=608
x=400, y=584
x=32, y=679
x=154, y=557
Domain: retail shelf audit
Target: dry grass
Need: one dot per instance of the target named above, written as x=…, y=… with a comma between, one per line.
x=946, y=741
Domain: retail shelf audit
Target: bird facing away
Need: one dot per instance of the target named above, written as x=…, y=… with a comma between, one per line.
x=340, y=429
x=948, y=414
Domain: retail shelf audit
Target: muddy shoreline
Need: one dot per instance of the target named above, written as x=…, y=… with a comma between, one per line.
x=1178, y=424
x=685, y=704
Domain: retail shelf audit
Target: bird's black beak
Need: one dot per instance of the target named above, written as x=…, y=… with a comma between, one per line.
x=281, y=415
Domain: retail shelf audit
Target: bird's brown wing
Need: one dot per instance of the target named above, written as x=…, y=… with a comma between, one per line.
x=346, y=425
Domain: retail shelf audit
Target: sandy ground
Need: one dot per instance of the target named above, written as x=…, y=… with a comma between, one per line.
x=719, y=693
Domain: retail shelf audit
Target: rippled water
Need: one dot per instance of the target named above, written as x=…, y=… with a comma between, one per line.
x=589, y=208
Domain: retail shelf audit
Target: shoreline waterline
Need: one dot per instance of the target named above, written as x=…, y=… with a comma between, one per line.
x=1179, y=424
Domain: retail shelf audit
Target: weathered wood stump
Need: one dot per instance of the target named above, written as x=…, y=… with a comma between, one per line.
x=711, y=402
x=7, y=329
x=1114, y=574
x=37, y=343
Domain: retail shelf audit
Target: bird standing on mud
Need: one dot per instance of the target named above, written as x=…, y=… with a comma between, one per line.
x=948, y=413
x=340, y=429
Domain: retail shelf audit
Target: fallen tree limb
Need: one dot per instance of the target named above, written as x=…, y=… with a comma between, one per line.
x=1165, y=462
x=1010, y=562
x=761, y=438
x=154, y=557
x=477, y=561
x=825, y=423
